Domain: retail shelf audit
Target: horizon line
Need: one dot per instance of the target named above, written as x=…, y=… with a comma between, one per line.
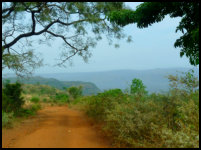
x=193, y=67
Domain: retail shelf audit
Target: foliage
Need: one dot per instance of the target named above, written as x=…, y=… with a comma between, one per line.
x=44, y=100
x=98, y=105
x=186, y=85
x=25, y=112
x=112, y=93
x=69, y=21
x=7, y=119
x=169, y=120
x=38, y=89
x=137, y=87
x=35, y=99
x=134, y=124
x=149, y=13
x=5, y=101
x=45, y=93
x=23, y=63
x=61, y=97
x=13, y=104
x=11, y=97
x=88, y=87
x=75, y=92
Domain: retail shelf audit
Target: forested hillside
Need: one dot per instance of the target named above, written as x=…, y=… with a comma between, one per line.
x=88, y=87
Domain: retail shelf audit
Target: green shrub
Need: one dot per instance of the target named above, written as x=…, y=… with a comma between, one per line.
x=11, y=97
x=25, y=113
x=187, y=136
x=35, y=107
x=112, y=93
x=62, y=97
x=29, y=111
x=137, y=88
x=7, y=119
x=97, y=105
x=75, y=92
x=59, y=98
x=5, y=102
x=84, y=100
x=133, y=122
x=35, y=99
x=45, y=100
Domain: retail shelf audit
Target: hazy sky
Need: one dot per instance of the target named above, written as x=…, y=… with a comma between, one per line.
x=151, y=48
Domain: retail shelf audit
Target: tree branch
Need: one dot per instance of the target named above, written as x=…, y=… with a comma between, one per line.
x=56, y=35
x=9, y=10
x=34, y=22
x=40, y=32
x=28, y=34
x=64, y=39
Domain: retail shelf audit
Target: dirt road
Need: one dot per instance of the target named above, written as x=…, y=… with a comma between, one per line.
x=55, y=127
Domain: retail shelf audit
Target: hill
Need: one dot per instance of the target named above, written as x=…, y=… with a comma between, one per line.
x=88, y=87
x=155, y=79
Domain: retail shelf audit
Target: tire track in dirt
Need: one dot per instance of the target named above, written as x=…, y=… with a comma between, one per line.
x=55, y=127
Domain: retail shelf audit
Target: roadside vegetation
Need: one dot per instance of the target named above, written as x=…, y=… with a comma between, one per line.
x=24, y=100
x=14, y=104
x=138, y=119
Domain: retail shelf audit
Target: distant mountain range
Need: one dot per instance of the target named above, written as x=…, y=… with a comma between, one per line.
x=155, y=79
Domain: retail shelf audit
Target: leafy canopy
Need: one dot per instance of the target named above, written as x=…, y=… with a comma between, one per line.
x=188, y=82
x=79, y=25
x=137, y=87
x=75, y=92
x=149, y=13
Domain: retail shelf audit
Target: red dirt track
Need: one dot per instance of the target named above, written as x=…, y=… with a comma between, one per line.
x=55, y=127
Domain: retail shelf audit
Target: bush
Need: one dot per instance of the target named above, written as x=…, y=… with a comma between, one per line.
x=30, y=111
x=112, y=93
x=134, y=124
x=35, y=108
x=11, y=97
x=35, y=99
x=75, y=92
x=5, y=102
x=7, y=119
x=97, y=105
x=137, y=88
x=60, y=97
x=45, y=100
x=187, y=136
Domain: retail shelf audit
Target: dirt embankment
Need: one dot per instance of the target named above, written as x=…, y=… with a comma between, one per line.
x=55, y=127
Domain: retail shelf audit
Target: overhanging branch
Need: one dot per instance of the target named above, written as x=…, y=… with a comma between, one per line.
x=40, y=32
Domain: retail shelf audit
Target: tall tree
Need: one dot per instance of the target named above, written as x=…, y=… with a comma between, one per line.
x=149, y=13
x=69, y=21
